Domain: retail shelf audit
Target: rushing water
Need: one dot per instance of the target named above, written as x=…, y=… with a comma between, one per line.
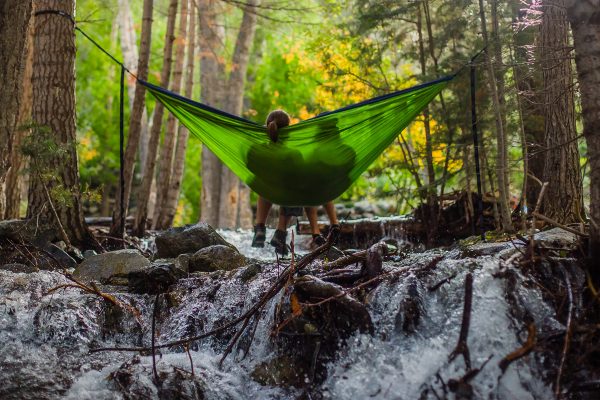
x=45, y=339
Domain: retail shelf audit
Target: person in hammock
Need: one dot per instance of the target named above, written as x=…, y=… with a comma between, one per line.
x=275, y=120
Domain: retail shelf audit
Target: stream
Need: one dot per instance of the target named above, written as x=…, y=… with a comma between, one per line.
x=45, y=340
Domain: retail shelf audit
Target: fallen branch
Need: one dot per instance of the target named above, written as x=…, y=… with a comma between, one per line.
x=93, y=289
x=558, y=224
x=461, y=346
x=346, y=260
x=533, y=222
x=522, y=351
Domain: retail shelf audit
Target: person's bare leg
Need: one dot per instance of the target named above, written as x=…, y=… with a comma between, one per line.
x=283, y=221
x=331, y=213
x=311, y=214
x=263, y=206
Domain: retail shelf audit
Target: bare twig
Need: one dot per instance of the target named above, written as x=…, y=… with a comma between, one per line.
x=558, y=224
x=461, y=346
x=533, y=221
x=565, y=349
x=154, y=312
x=523, y=350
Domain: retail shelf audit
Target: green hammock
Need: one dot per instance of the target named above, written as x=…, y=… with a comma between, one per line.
x=314, y=161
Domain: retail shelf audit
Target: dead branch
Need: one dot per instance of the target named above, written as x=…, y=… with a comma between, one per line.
x=535, y=211
x=461, y=346
x=523, y=350
x=558, y=224
x=345, y=261
x=565, y=349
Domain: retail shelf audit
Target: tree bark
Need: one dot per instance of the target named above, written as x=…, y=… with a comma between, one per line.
x=135, y=122
x=584, y=16
x=170, y=207
x=233, y=197
x=211, y=74
x=432, y=203
x=14, y=22
x=163, y=182
x=501, y=162
x=528, y=80
x=563, y=201
x=54, y=107
x=144, y=192
x=14, y=178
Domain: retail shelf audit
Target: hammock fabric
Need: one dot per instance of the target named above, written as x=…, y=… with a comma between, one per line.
x=313, y=161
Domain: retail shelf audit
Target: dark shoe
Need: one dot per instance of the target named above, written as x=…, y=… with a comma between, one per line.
x=318, y=239
x=278, y=241
x=260, y=235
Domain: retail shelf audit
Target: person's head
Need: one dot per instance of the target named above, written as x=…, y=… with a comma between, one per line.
x=275, y=120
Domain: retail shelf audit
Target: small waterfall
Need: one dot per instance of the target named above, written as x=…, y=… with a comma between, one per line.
x=45, y=339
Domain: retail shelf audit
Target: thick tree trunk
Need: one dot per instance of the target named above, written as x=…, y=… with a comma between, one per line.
x=14, y=22
x=211, y=82
x=584, y=16
x=54, y=108
x=163, y=182
x=170, y=207
x=15, y=181
x=135, y=123
x=563, y=201
x=233, y=197
x=501, y=162
x=144, y=193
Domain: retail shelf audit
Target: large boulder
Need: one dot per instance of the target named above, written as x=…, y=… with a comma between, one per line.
x=187, y=239
x=216, y=258
x=115, y=263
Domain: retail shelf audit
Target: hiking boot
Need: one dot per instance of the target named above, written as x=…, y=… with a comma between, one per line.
x=260, y=235
x=278, y=241
x=318, y=239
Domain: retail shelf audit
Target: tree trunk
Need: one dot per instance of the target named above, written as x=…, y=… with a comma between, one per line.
x=14, y=22
x=170, y=207
x=432, y=203
x=528, y=82
x=144, y=193
x=501, y=162
x=231, y=202
x=211, y=78
x=54, y=108
x=135, y=122
x=563, y=201
x=14, y=178
x=584, y=16
x=163, y=182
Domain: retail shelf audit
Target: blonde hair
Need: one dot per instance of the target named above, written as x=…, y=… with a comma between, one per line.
x=275, y=120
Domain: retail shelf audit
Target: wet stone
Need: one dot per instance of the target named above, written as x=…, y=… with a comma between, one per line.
x=280, y=371
x=187, y=239
x=155, y=279
x=250, y=272
x=216, y=258
x=103, y=266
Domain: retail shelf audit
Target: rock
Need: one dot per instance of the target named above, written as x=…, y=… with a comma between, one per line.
x=155, y=279
x=558, y=238
x=187, y=239
x=250, y=272
x=19, y=268
x=103, y=266
x=280, y=371
x=56, y=258
x=22, y=230
x=216, y=258
x=344, y=314
x=89, y=253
